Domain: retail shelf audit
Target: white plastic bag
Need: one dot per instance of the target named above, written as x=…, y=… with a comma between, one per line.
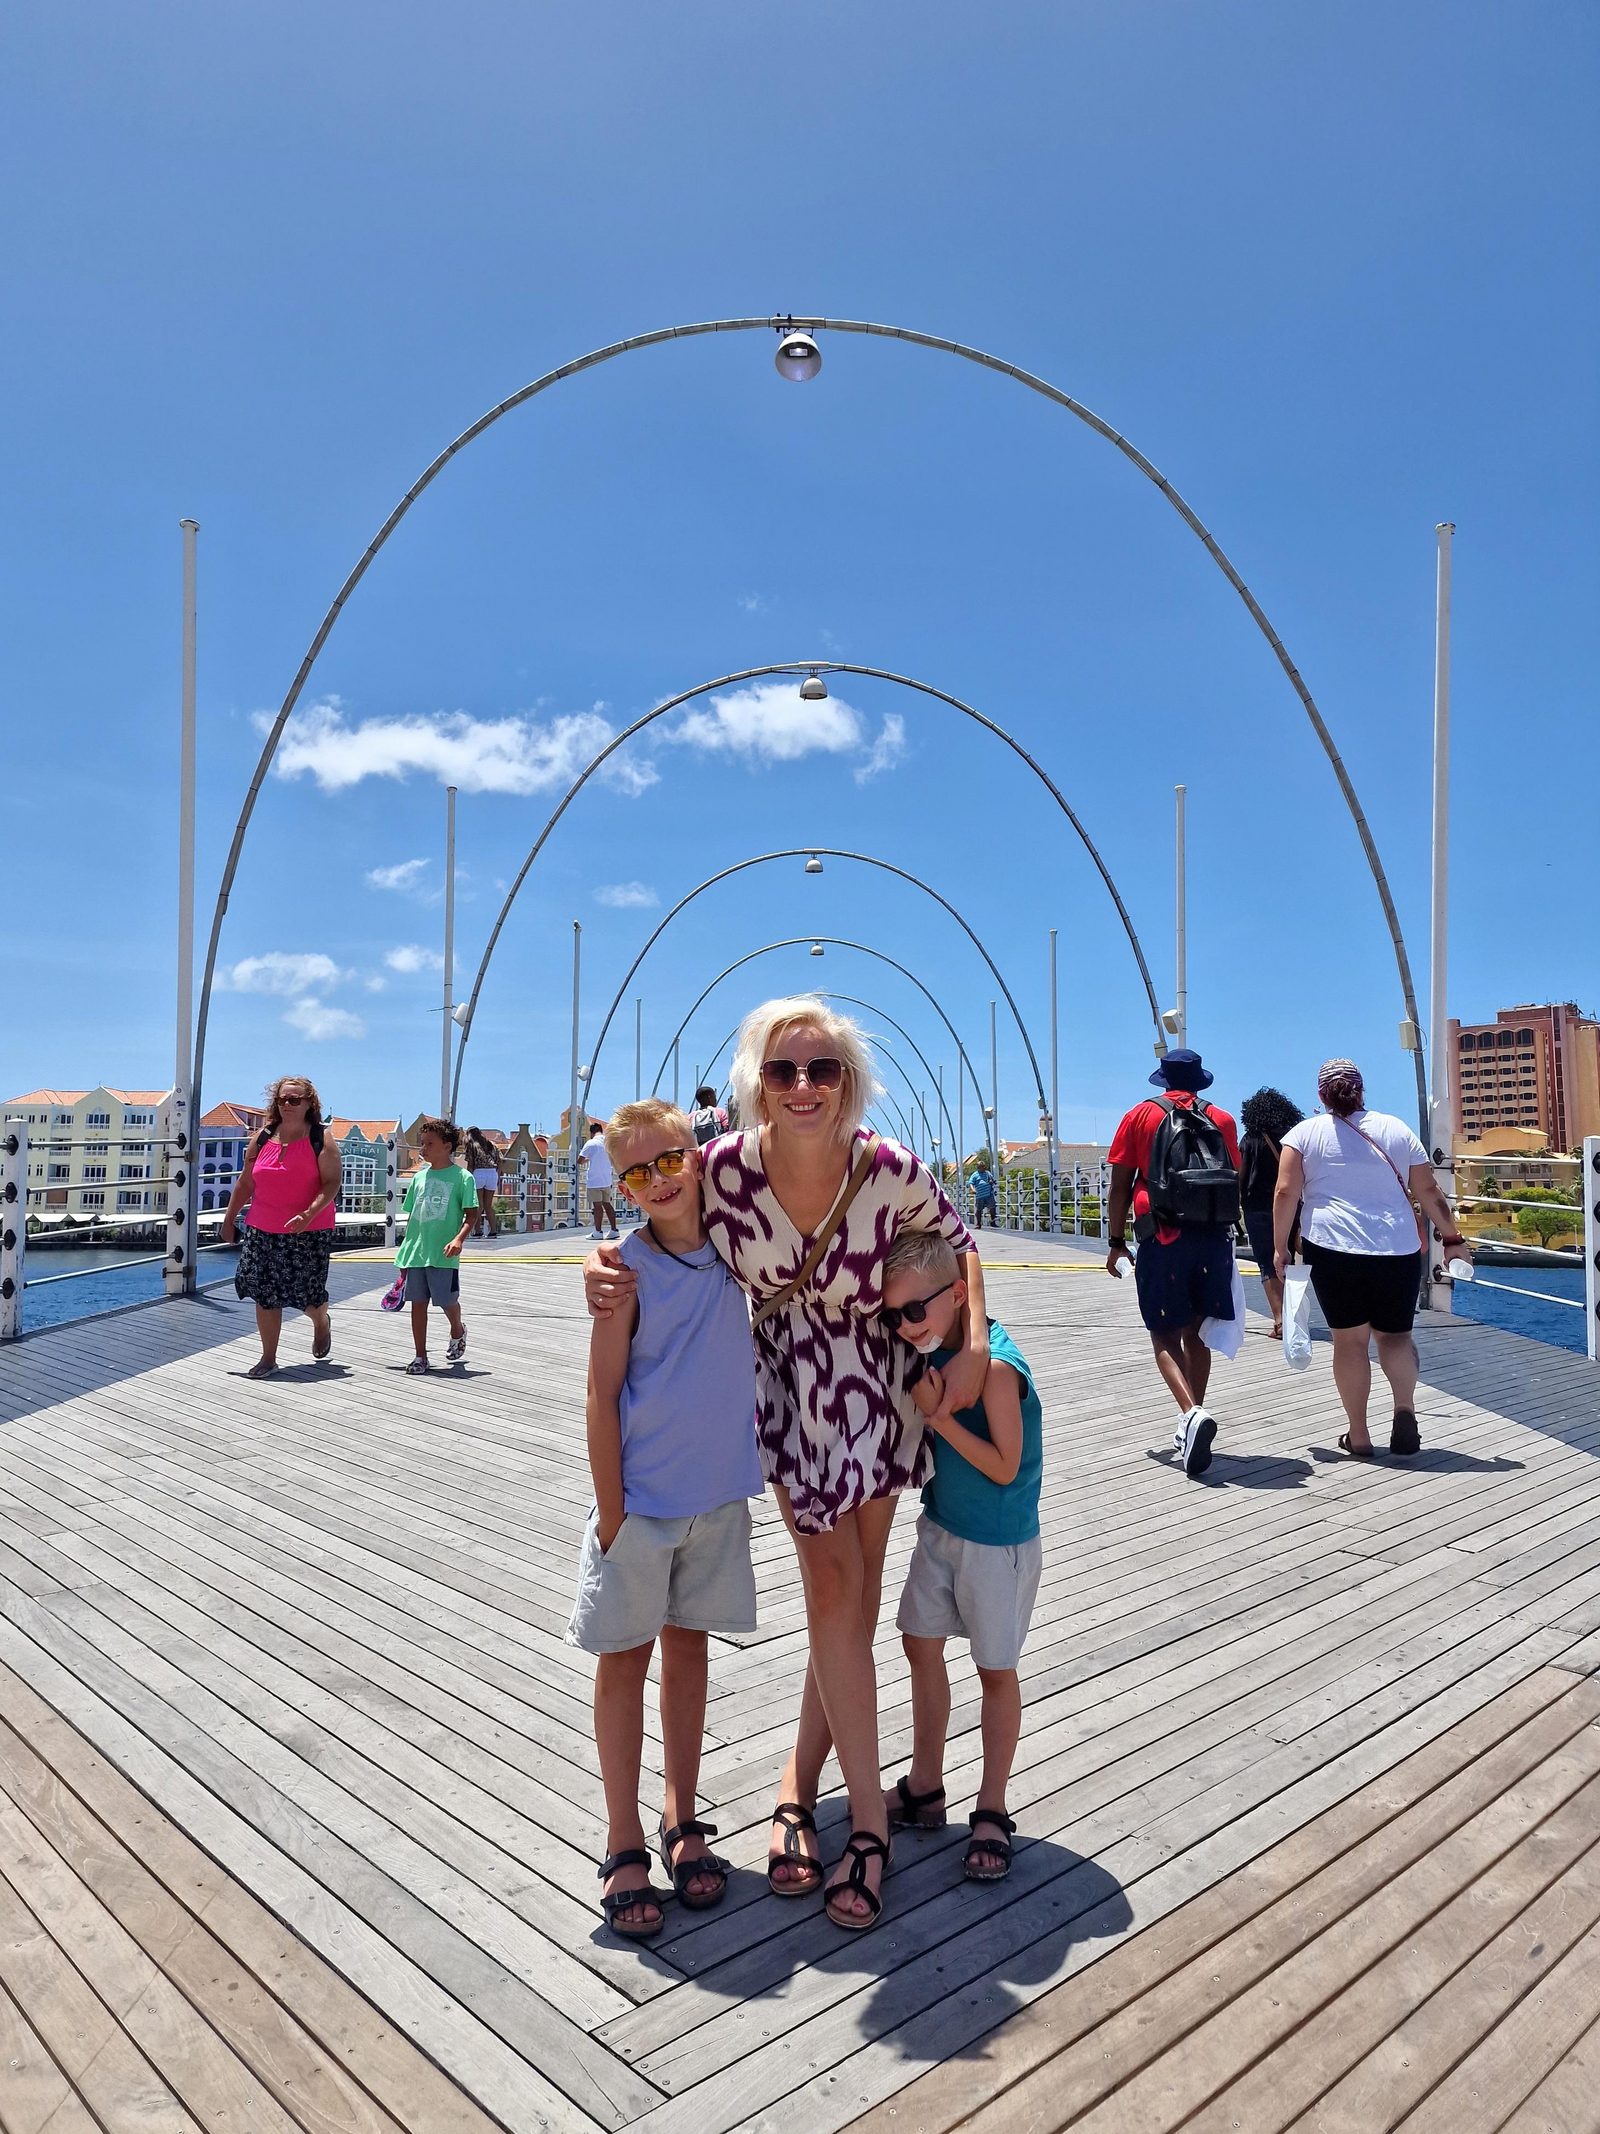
x=1297, y=1317
x=1225, y=1337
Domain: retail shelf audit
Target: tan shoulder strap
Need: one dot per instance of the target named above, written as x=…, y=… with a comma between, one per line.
x=825, y=1236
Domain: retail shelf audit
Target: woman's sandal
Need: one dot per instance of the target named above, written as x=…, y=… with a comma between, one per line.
x=1356, y=1452
x=860, y=1847
x=1405, y=1438
x=685, y=1871
x=262, y=1369
x=916, y=1811
x=977, y=1846
x=626, y=1900
x=793, y=1819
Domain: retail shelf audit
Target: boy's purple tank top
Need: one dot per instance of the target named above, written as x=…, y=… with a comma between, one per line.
x=689, y=1405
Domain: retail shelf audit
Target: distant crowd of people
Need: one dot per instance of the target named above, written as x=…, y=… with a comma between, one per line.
x=801, y=1308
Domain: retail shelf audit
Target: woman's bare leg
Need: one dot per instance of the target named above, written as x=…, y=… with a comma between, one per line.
x=269, y=1325
x=1352, y=1375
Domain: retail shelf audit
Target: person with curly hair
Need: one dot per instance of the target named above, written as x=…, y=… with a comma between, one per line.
x=1266, y=1117
x=291, y=1181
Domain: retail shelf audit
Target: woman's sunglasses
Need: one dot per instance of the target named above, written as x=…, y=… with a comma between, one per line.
x=667, y=1165
x=916, y=1311
x=780, y=1076
x=287, y=1099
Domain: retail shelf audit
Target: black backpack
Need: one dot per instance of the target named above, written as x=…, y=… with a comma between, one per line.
x=1190, y=1178
x=708, y=1121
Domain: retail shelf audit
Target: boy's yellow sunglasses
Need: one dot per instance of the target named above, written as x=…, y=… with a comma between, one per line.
x=667, y=1165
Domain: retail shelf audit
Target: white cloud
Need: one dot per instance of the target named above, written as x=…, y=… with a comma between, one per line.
x=886, y=751
x=627, y=896
x=767, y=722
x=314, y=1019
x=413, y=957
x=376, y=983
x=402, y=875
x=280, y=971
x=755, y=603
x=509, y=755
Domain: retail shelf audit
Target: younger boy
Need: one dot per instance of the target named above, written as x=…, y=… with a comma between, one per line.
x=672, y=1450
x=441, y=1207
x=975, y=1570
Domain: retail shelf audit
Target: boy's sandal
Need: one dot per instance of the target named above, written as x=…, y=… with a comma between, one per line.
x=683, y=1872
x=1405, y=1438
x=860, y=1847
x=626, y=1900
x=977, y=1847
x=1356, y=1452
x=793, y=1819
x=918, y=1811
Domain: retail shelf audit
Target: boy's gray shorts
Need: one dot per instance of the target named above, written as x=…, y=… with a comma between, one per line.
x=433, y=1285
x=978, y=1590
x=694, y=1573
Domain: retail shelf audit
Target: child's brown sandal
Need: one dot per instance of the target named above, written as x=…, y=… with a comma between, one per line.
x=977, y=1847
x=918, y=1811
x=683, y=1872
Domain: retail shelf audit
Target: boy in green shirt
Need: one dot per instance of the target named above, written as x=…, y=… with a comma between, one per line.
x=441, y=1206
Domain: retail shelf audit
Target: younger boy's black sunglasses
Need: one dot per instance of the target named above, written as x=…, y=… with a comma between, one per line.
x=916, y=1311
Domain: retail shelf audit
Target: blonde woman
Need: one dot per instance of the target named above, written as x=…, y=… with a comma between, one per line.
x=291, y=1180
x=840, y=1435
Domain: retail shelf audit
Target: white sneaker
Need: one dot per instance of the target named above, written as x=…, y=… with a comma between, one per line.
x=595, y=1233
x=1195, y=1439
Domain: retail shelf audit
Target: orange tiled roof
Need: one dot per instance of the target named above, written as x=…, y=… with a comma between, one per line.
x=240, y=1115
x=65, y=1097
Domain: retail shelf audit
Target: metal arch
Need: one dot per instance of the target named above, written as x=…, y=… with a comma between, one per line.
x=746, y=674
x=831, y=941
x=832, y=852
x=782, y=323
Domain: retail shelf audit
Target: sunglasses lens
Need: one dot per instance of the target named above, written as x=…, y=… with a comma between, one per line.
x=671, y=1162
x=825, y=1073
x=779, y=1076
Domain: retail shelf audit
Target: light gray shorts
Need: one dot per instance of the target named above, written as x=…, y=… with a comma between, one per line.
x=433, y=1285
x=694, y=1573
x=978, y=1590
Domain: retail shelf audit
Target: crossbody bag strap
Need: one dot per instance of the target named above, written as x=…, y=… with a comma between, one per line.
x=825, y=1236
x=1416, y=1212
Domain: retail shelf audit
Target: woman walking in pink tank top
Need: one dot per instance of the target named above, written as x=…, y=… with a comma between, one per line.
x=291, y=1181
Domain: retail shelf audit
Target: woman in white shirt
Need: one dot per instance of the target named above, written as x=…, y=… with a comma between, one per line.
x=1358, y=1177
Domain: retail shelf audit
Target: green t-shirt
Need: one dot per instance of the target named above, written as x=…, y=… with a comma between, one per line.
x=437, y=1203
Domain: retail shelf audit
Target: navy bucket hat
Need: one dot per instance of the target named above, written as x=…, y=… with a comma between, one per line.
x=1182, y=1069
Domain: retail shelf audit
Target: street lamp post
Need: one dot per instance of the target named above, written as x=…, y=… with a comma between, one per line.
x=574, y=1123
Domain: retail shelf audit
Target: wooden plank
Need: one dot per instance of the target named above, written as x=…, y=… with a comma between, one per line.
x=1567, y=2101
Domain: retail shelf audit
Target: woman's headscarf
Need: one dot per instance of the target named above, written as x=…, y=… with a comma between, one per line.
x=1339, y=1086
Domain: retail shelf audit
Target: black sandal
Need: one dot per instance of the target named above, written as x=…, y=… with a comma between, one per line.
x=686, y=1870
x=1405, y=1438
x=794, y=1819
x=1356, y=1452
x=918, y=1811
x=622, y=1900
x=977, y=1845
x=860, y=1847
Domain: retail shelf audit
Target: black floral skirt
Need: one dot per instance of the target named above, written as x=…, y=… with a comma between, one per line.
x=279, y=1269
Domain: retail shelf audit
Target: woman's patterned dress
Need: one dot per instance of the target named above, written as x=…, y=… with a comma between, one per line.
x=836, y=1423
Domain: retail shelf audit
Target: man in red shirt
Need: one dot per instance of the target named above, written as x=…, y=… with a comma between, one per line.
x=1184, y=1271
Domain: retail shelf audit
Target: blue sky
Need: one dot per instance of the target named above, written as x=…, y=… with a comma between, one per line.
x=1333, y=270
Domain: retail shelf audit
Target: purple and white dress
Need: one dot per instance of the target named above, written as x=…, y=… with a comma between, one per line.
x=835, y=1421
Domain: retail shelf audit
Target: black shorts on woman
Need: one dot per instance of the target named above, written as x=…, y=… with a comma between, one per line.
x=1376, y=1289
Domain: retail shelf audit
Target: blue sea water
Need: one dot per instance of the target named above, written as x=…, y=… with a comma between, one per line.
x=1539, y=1315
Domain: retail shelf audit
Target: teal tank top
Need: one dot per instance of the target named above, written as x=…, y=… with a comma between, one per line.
x=966, y=1503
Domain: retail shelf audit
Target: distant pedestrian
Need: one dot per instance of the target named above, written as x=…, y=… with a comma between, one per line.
x=291, y=1182
x=983, y=1196
x=484, y=1163
x=1176, y=1159
x=1266, y=1117
x=440, y=1207
x=1359, y=1178
x=600, y=1178
x=708, y=1118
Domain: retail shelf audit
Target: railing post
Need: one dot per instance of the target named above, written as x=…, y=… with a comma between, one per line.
x=178, y=1273
x=1589, y=1194
x=1077, y=1200
x=391, y=1195
x=13, y=1226
x=522, y=1194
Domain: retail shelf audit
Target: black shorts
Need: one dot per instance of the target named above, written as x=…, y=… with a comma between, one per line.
x=1258, y=1228
x=1190, y=1279
x=1376, y=1289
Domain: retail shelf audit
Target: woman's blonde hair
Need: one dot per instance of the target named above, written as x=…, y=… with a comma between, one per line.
x=762, y=1028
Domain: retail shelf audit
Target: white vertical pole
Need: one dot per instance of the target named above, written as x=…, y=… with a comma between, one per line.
x=522, y=1189
x=14, y=1224
x=675, y=1096
x=391, y=1191
x=178, y=1274
x=574, y=1123
x=449, y=945
x=638, y=1050
x=1182, y=924
x=1441, y=1111
x=961, y=1138
x=1589, y=1195
x=938, y=1076
x=994, y=1086
x=1055, y=1093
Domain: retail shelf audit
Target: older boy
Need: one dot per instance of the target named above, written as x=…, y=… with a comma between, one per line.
x=975, y=1570
x=672, y=1450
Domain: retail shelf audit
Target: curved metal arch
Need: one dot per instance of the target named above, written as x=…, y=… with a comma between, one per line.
x=783, y=323
x=745, y=674
x=872, y=1008
x=833, y=852
x=831, y=941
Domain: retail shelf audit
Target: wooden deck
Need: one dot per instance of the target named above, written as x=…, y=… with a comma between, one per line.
x=299, y=1809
